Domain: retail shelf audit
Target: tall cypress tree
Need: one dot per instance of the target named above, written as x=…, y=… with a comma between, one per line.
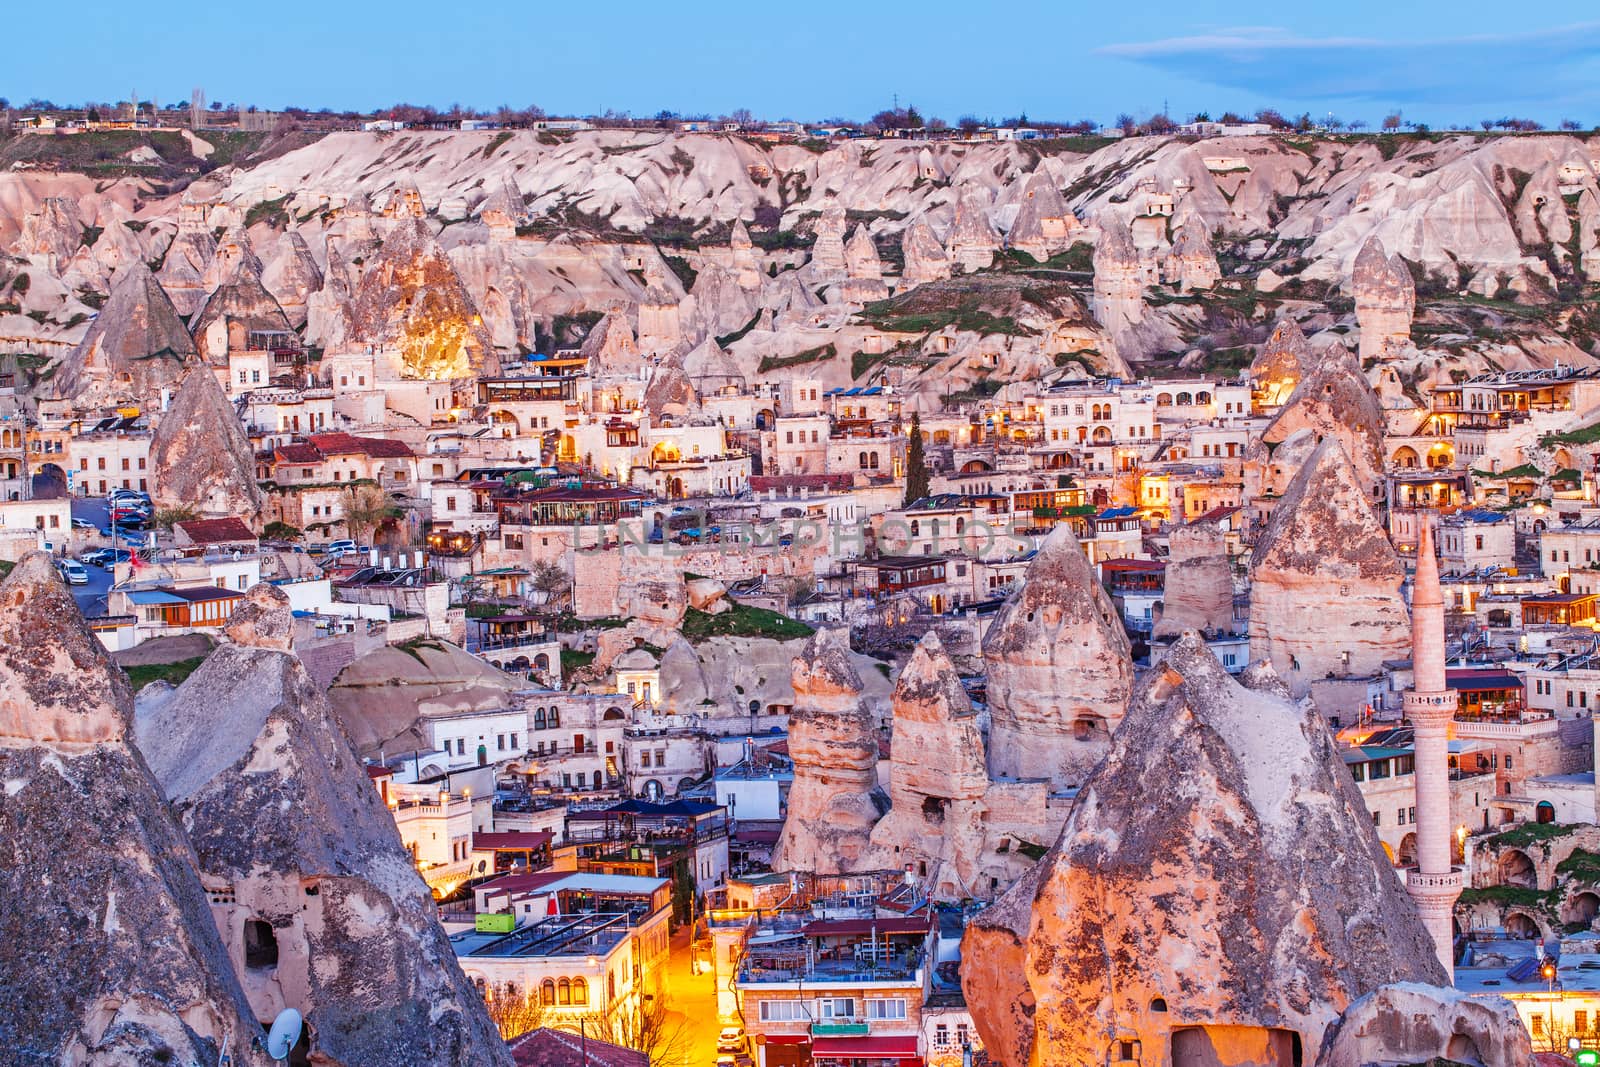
x=916, y=464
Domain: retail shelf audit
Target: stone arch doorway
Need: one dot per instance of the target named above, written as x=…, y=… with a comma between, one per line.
x=1545, y=811
x=49, y=482
x=1582, y=909
x=1408, y=851
x=1236, y=1046
x=1516, y=868
x=1522, y=927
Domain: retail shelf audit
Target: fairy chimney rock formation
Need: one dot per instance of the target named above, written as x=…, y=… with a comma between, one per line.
x=925, y=260
x=660, y=327
x=746, y=268
x=412, y=300
x=972, y=241
x=1325, y=597
x=1218, y=888
x=1117, y=299
x=1198, y=594
x=611, y=349
x=864, y=281
x=1385, y=300
x=1191, y=264
x=1332, y=399
x=1044, y=223
x=835, y=751
x=238, y=306
x=293, y=839
x=1281, y=363
x=293, y=277
x=199, y=455
x=117, y=960
x=134, y=349
x=827, y=251
x=937, y=779
x=1059, y=669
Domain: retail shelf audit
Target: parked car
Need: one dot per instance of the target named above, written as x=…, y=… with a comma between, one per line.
x=118, y=555
x=95, y=557
x=74, y=572
x=82, y=524
x=731, y=1039
x=342, y=547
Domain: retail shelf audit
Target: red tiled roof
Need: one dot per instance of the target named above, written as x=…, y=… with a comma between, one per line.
x=297, y=453
x=216, y=531
x=342, y=444
x=557, y=1048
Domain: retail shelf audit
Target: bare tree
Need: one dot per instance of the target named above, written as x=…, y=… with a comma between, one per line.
x=1392, y=121
x=550, y=579
x=644, y=1024
x=514, y=1012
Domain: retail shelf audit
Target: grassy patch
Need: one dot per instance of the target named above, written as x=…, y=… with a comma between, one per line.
x=269, y=211
x=680, y=266
x=572, y=660
x=742, y=621
x=5, y=567
x=729, y=338
x=1581, y=866
x=1506, y=896
x=142, y=674
x=495, y=142
x=1584, y=435
x=810, y=355
x=1530, y=834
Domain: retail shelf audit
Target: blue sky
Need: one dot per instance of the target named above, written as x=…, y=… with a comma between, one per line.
x=1438, y=62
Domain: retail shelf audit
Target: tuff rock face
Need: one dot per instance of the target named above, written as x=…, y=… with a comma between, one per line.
x=112, y=957
x=1059, y=669
x=54, y=231
x=1325, y=581
x=610, y=348
x=290, y=832
x=136, y=347
x=1332, y=399
x=972, y=241
x=1385, y=301
x=199, y=455
x=946, y=821
x=1191, y=263
x=1044, y=224
x=924, y=255
x=711, y=368
x=1282, y=362
x=293, y=277
x=1218, y=877
x=864, y=281
x=660, y=325
x=1199, y=582
x=412, y=299
x=1118, y=297
x=1414, y=1023
x=238, y=306
x=835, y=752
x=827, y=251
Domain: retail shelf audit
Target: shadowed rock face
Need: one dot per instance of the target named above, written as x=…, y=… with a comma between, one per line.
x=136, y=347
x=412, y=298
x=290, y=832
x=110, y=955
x=1059, y=669
x=835, y=752
x=200, y=456
x=1198, y=594
x=1220, y=860
x=1325, y=580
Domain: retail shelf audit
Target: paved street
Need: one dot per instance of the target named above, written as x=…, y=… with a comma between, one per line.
x=691, y=1001
x=91, y=598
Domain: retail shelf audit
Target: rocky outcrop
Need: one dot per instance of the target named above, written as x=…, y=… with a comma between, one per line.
x=1198, y=594
x=53, y=231
x=1044, y=224
x=1217, y=888
x=1281, y=363
x=611, y=349
x=412, y=300
x=742, y=257
x=1325, y=581
x=1117, y=300
x=834, y=746
x=1385, y=301
x=1059, y=669
x=293, y=277
x=660, y=325
x=112, y=957
x=1191, y=264
x=864, y=271
x=238, y=307
x=1332, y=399
x=972, y=241
x=136, y=348
x=710, y=368
x=669, y=393
x=292, y=837
x=954, y=830
x=199, y=455
x=925, y=260
x=1414, y=1023
x=827, y=251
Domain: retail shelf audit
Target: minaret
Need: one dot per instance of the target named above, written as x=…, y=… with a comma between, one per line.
x=1434, y=883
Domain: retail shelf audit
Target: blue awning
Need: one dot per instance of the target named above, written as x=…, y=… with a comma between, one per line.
x=154, y=596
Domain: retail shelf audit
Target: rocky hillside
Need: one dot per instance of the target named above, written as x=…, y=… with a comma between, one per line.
x=1179, y=249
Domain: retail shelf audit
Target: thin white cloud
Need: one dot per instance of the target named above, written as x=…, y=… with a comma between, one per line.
x=1485, y=70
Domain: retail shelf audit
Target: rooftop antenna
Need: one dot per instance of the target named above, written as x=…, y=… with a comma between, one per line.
x=284, y=1034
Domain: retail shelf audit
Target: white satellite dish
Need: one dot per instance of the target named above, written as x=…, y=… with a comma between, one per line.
x=284, y=1033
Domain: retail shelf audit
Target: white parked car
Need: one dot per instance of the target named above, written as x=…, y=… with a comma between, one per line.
x=74, y=572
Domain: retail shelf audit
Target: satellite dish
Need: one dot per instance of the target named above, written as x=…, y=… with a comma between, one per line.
x=284, y=1033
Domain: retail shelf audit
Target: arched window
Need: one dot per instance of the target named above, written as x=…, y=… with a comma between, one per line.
x=1163, y=400
x=1202, y=398
x=1185, y=398
x=916, y=528
x=555, y=718
x=580, y=991
x=564, y=992
x=538, y=718
x=861, y=461
x=547, y=992
x=541, y=662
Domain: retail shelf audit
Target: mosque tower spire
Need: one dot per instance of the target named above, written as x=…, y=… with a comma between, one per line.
x=1434, y=883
